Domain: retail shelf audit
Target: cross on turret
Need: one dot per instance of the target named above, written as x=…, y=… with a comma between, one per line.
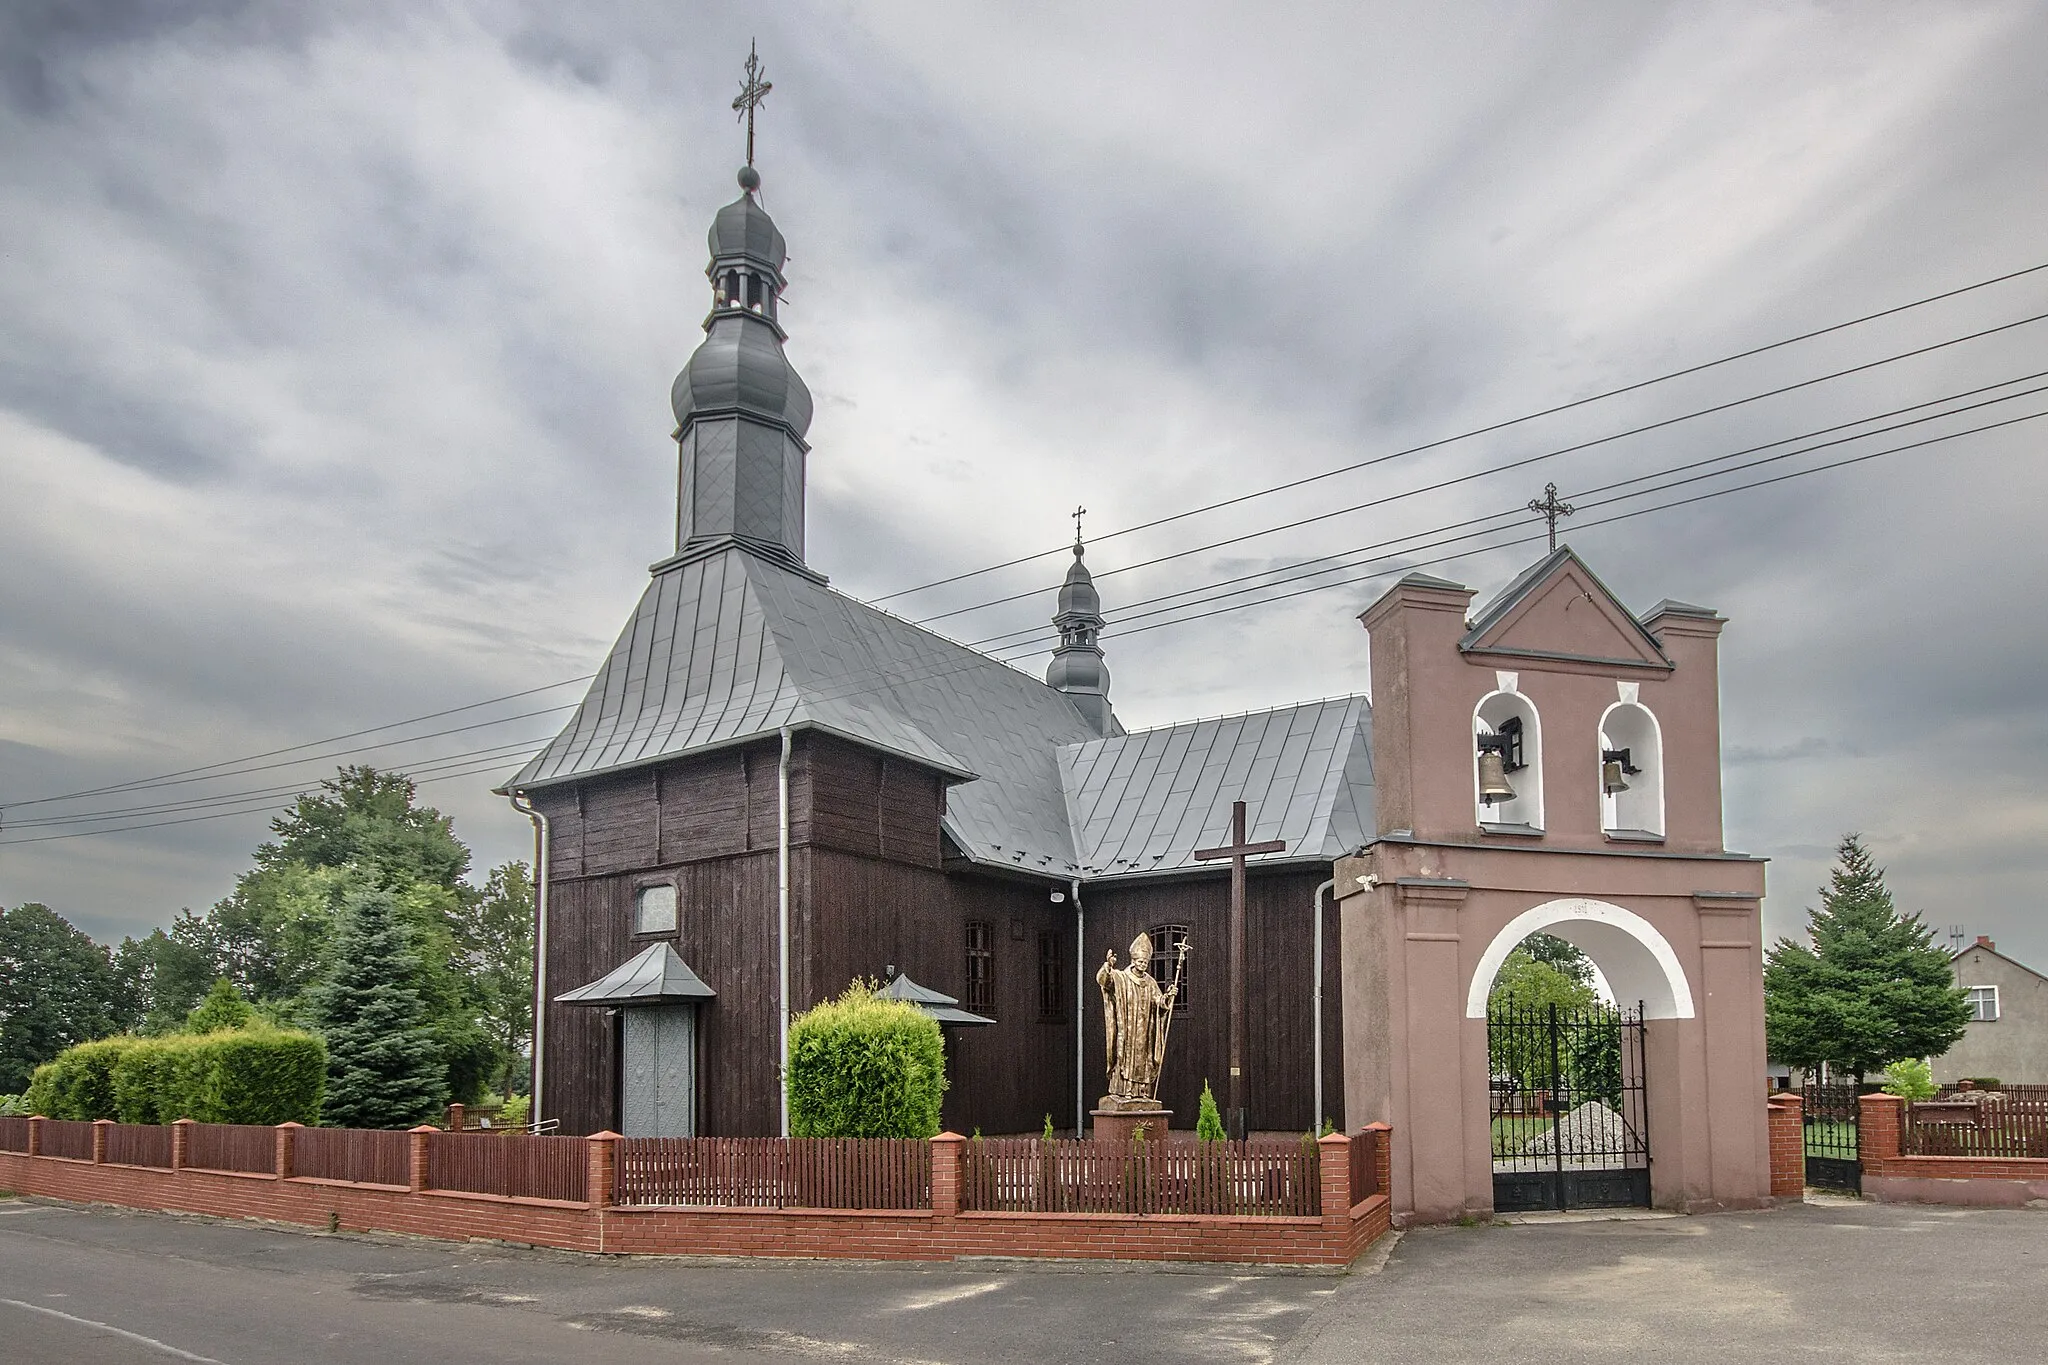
x=752, y=91
x=1077, y=514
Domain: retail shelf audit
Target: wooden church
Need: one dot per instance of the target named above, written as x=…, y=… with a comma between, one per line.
x=772, y=789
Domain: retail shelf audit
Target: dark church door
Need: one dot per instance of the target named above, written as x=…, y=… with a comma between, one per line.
x=659, y=1098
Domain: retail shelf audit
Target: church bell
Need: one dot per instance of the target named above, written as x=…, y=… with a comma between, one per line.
x=1612, y=783
x=1493, y=779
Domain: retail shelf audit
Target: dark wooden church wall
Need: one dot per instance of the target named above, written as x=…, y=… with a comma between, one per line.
x=865, y=915
x=1279, y=1052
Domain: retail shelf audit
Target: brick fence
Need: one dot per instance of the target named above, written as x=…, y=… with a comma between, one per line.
x=1888, y=1175
x=1335, y=1238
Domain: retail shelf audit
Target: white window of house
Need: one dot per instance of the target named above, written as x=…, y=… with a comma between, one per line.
x=1983, y=1004
x=654, y=909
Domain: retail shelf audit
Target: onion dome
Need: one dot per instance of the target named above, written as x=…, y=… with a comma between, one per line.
x=1077, y=666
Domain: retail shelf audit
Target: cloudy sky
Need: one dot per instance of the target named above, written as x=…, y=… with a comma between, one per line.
x=335, y=346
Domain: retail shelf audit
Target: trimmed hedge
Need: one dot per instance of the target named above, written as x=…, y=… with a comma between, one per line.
x=253, y=1075
x=861, y=1066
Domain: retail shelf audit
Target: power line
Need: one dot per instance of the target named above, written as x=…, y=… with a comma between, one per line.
x=1604, y=521
x=163, y=778
x=1516, y=464
x=1334, y=564
x=1485, y=430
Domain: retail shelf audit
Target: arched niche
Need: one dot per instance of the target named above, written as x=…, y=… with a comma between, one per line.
x=1496, y=711
x=1632, y=726
x=1637, y=961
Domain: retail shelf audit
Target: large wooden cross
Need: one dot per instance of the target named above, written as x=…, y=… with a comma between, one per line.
x=1237, y=851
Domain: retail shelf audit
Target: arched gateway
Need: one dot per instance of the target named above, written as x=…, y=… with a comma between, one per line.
x=1667, y=1088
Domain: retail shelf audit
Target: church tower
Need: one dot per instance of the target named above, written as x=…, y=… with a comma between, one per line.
x=741, y=411
x=1077, y=668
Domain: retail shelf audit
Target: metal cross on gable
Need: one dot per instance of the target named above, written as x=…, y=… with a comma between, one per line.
x=1550, y=509
x=752, y=91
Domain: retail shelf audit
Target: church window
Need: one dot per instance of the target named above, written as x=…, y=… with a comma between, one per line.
x=1166, y=944
x=654, y=909
x=981, y=967
x=1983, y=1004
x=1052, y=978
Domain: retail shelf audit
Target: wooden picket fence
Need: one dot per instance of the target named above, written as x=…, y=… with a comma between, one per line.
x=1241, y=1179
x=137, y=1144
x=244, y=1147
x=2005, y=1127
x=364, y=1155
x=776, y=1173
x=71, y=1138
x=13, y=1133
x=518, y=1166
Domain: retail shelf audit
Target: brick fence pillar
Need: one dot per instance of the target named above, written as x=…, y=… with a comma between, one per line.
x=1788, y=1145
x=455, y=1116
x=1382, y=1158
x=421, y=1136
x=1878, y=1120
x=181, y=1144
x=35, y=1134
x=287, y=1164
x=1335, y=1154
x=946, y=1149
x=99, y=1140
x=602, y=1152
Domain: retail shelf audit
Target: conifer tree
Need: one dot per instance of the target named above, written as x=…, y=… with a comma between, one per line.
x=1874, y=988
x=1209, y=1122
x=384, y=1067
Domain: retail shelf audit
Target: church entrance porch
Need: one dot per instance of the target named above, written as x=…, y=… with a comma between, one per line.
x=1567, y=1107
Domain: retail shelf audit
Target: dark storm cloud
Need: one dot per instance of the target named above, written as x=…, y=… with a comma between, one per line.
x=337, y=341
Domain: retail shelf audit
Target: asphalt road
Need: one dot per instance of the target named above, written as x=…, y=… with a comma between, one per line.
x=1836, y=1282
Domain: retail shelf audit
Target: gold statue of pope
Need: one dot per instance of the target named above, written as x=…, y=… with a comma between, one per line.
x=1136, y=1015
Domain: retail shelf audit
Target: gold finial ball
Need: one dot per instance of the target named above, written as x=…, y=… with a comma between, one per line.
x=750, y=179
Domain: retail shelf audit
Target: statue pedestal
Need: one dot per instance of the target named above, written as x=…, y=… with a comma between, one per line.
x=1120, y=1125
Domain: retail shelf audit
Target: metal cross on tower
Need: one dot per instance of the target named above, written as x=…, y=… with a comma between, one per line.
x=1077, y=514
x=1237, y=851
x=1550, y=509
x=752, y=91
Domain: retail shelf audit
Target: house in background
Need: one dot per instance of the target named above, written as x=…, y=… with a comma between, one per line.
x=2007, y=1036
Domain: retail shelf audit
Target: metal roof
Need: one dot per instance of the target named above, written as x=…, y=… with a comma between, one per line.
x=647, y=978
x=1144, y=802
x=728, y=647
x=940, y=1006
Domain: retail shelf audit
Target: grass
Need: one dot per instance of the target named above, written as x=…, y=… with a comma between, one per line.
x=1831, y=1138
x=1512, y=1132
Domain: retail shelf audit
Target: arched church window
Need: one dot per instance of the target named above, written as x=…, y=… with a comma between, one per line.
x=1507, y=762
x=654, y=909
x=1166, y=948
x=1631, y=771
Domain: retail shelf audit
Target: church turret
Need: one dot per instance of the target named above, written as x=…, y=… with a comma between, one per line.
x=1077, y=668
x=741, y=411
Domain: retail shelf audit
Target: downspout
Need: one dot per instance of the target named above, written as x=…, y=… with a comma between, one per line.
x=782, y=926
x=1316, y=994
x=1080, y=1010
x=541, y=852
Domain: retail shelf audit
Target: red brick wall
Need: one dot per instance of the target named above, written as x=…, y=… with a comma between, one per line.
x=1788, y=1147
x=920, y=1235
x=1892, y=1178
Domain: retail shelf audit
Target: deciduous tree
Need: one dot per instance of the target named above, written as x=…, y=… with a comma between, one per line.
x=57, y=988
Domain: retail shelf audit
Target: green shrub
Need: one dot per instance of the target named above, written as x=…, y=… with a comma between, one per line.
x=1208, y=1120
x=222, y=1008
x=252, y=1075
x=1911, y=1079
x=862, y=1066
x=517, y=1111
x=79, y=1082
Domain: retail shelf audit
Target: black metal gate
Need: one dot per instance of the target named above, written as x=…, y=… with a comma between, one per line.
x=1828, y=1114
x=1569, y=1120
